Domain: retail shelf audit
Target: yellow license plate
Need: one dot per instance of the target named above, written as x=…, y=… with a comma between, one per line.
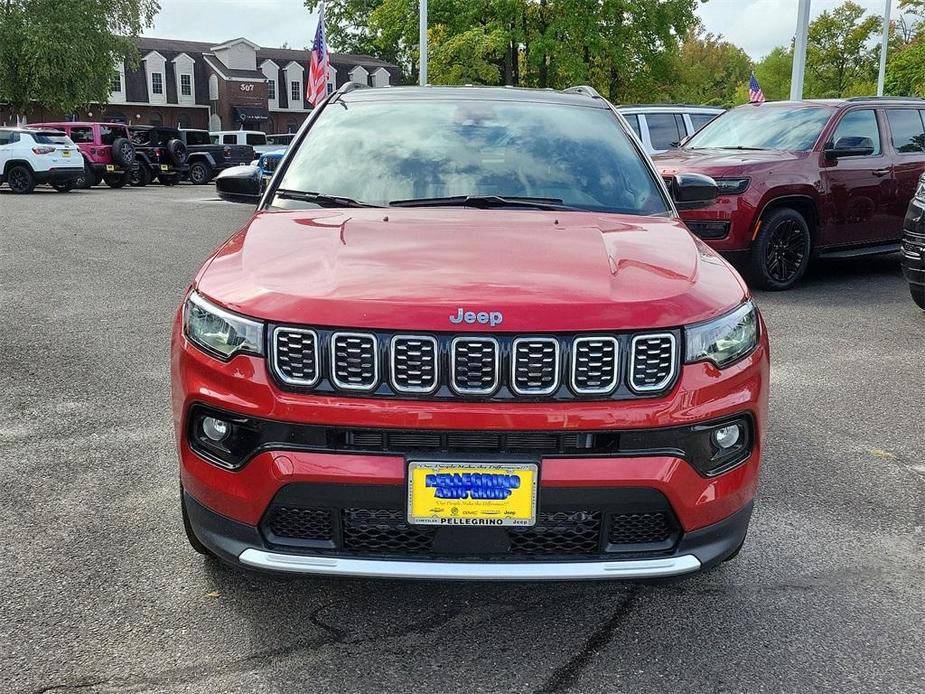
x=164, y=167
x=110, y=167
x=66, y=153
x=473, y=494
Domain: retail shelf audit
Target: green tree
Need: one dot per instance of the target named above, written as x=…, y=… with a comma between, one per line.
x=62, y=55
x=905, y=71
x=710, y=70
x=838, y=54
x=773, y=73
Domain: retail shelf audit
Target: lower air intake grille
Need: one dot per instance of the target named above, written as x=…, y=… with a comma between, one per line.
x=653, y=364
x=561, y=532
x=300, y=523
x=383, y=531
x=640, y=528
x=354, y=361
x=295, y=356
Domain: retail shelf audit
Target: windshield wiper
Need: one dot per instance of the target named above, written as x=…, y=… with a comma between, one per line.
x=321, y=199
x=485, y=202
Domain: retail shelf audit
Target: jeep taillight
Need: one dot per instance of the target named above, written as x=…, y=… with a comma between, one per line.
x=43, y=150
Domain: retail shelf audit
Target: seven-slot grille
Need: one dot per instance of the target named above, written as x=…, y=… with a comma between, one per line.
x=354, y=361
x=414, y=363
x=535, y=365
x=475, y=365
x=595, y=365
x=500, y=367
x=653, y=365
x=295, y=354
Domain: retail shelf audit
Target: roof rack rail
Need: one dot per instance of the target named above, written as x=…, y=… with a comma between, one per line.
x=348, y=87
x=884, y=98
x=585, y=90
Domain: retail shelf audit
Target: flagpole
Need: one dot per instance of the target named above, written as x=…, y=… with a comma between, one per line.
x=799, y=52
x=886, y=39
x=422, y=67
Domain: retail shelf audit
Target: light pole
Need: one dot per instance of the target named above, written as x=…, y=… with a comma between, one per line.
x=799, y=52
x=883, y=47
x=422, y=38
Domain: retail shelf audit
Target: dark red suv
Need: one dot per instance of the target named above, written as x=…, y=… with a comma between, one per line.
x=805, y=179
x=477, y=343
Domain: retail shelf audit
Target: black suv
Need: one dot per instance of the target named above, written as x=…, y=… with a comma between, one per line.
x=206, y=159
x=160, y=153
x=913, y=248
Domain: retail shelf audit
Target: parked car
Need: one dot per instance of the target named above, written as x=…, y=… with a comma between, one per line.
x=664, y=126
x=106, y=148
x=266, y=166
x=160, y=153
x=284, y=139
x=805, y=179
x=913, y=247
x=206, y=159
x=491, y=353
x=29, y=156
x=254, y=138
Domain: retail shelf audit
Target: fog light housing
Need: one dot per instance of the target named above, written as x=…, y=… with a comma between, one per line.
x=215, y=429
x=726, y=437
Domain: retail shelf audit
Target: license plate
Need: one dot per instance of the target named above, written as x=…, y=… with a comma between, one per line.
x=472, y=494
x=164, y=167
x=66, y=153
x=110, y=167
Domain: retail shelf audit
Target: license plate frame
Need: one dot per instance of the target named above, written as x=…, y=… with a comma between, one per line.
x=110, y=167
x=164, y=167
x=467, y=505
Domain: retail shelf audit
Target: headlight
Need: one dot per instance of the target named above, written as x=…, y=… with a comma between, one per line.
x=732, y=186
x=219, y=332
x=920, y=190
x=725, y=339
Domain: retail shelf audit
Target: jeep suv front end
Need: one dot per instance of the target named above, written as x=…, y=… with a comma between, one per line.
x=547, y=377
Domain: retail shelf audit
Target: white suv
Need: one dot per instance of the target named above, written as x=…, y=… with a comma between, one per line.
x=661, y=127
x=254, y=138
x=32, y=156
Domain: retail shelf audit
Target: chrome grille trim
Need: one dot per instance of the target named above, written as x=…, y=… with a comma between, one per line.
x=636, y=355
x=516, y=364
x=615, y=378
x=496, y=365
x=354, y=338
x=394, y=347
x=275, y=356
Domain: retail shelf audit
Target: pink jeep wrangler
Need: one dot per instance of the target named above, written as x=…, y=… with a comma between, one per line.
x=106, y=148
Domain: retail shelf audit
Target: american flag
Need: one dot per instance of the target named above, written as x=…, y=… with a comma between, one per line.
x=320, y=62
x=755, y=95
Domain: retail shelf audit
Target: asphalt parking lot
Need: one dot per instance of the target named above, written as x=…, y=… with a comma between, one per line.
x=101, y=592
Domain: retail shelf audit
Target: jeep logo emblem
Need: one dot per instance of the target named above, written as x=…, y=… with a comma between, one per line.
x=491, y=318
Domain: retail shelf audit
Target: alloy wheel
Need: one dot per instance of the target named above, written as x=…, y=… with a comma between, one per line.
x=787, y=248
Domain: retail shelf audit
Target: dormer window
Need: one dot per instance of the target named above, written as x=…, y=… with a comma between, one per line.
x=186, y=85
x=271, y=90
x=116, y=84
x=295, y=91
x=157, y=83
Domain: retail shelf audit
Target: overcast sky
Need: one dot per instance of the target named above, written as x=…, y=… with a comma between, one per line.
x=755, y=25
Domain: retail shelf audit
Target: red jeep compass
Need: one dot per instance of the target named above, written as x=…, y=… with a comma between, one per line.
x=466, y=336
x=805, y=179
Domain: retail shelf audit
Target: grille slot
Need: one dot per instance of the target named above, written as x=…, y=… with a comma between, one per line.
x=475, y=365
x=300, y=523
x=653, y=364
x=595, y=365
x=295, y=356
x=535, y=365
x=560, y=532
x=383, y=531
x=354, y=361
x=270, y=163
x=640, y=528
x=414, y=363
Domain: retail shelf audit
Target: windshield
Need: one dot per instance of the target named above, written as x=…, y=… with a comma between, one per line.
x=792, y=129
x=381, y=151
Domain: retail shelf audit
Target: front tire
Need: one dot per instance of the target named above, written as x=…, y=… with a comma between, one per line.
x=780, y=254
x=20, y=179
x=117, y=180
x=918, y=295
x=140, y=176
x=200, y=173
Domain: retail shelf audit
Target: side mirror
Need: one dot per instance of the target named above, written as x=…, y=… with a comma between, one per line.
x=239, y=184
x=849, y=147
x=691, y=190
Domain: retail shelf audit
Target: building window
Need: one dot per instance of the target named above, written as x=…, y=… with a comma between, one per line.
x=116, y=117
x=157, y=83
x=291, y=126
x=186, y=85
x=156, y=119
x=116, y=84
x=295, y=94
x=271, y=90
x=183, y=121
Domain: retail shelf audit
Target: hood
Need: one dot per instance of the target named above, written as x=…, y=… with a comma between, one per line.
x=414, y=268
x=716, y=162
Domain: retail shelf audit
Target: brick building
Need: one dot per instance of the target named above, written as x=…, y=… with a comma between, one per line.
x=219, y=87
